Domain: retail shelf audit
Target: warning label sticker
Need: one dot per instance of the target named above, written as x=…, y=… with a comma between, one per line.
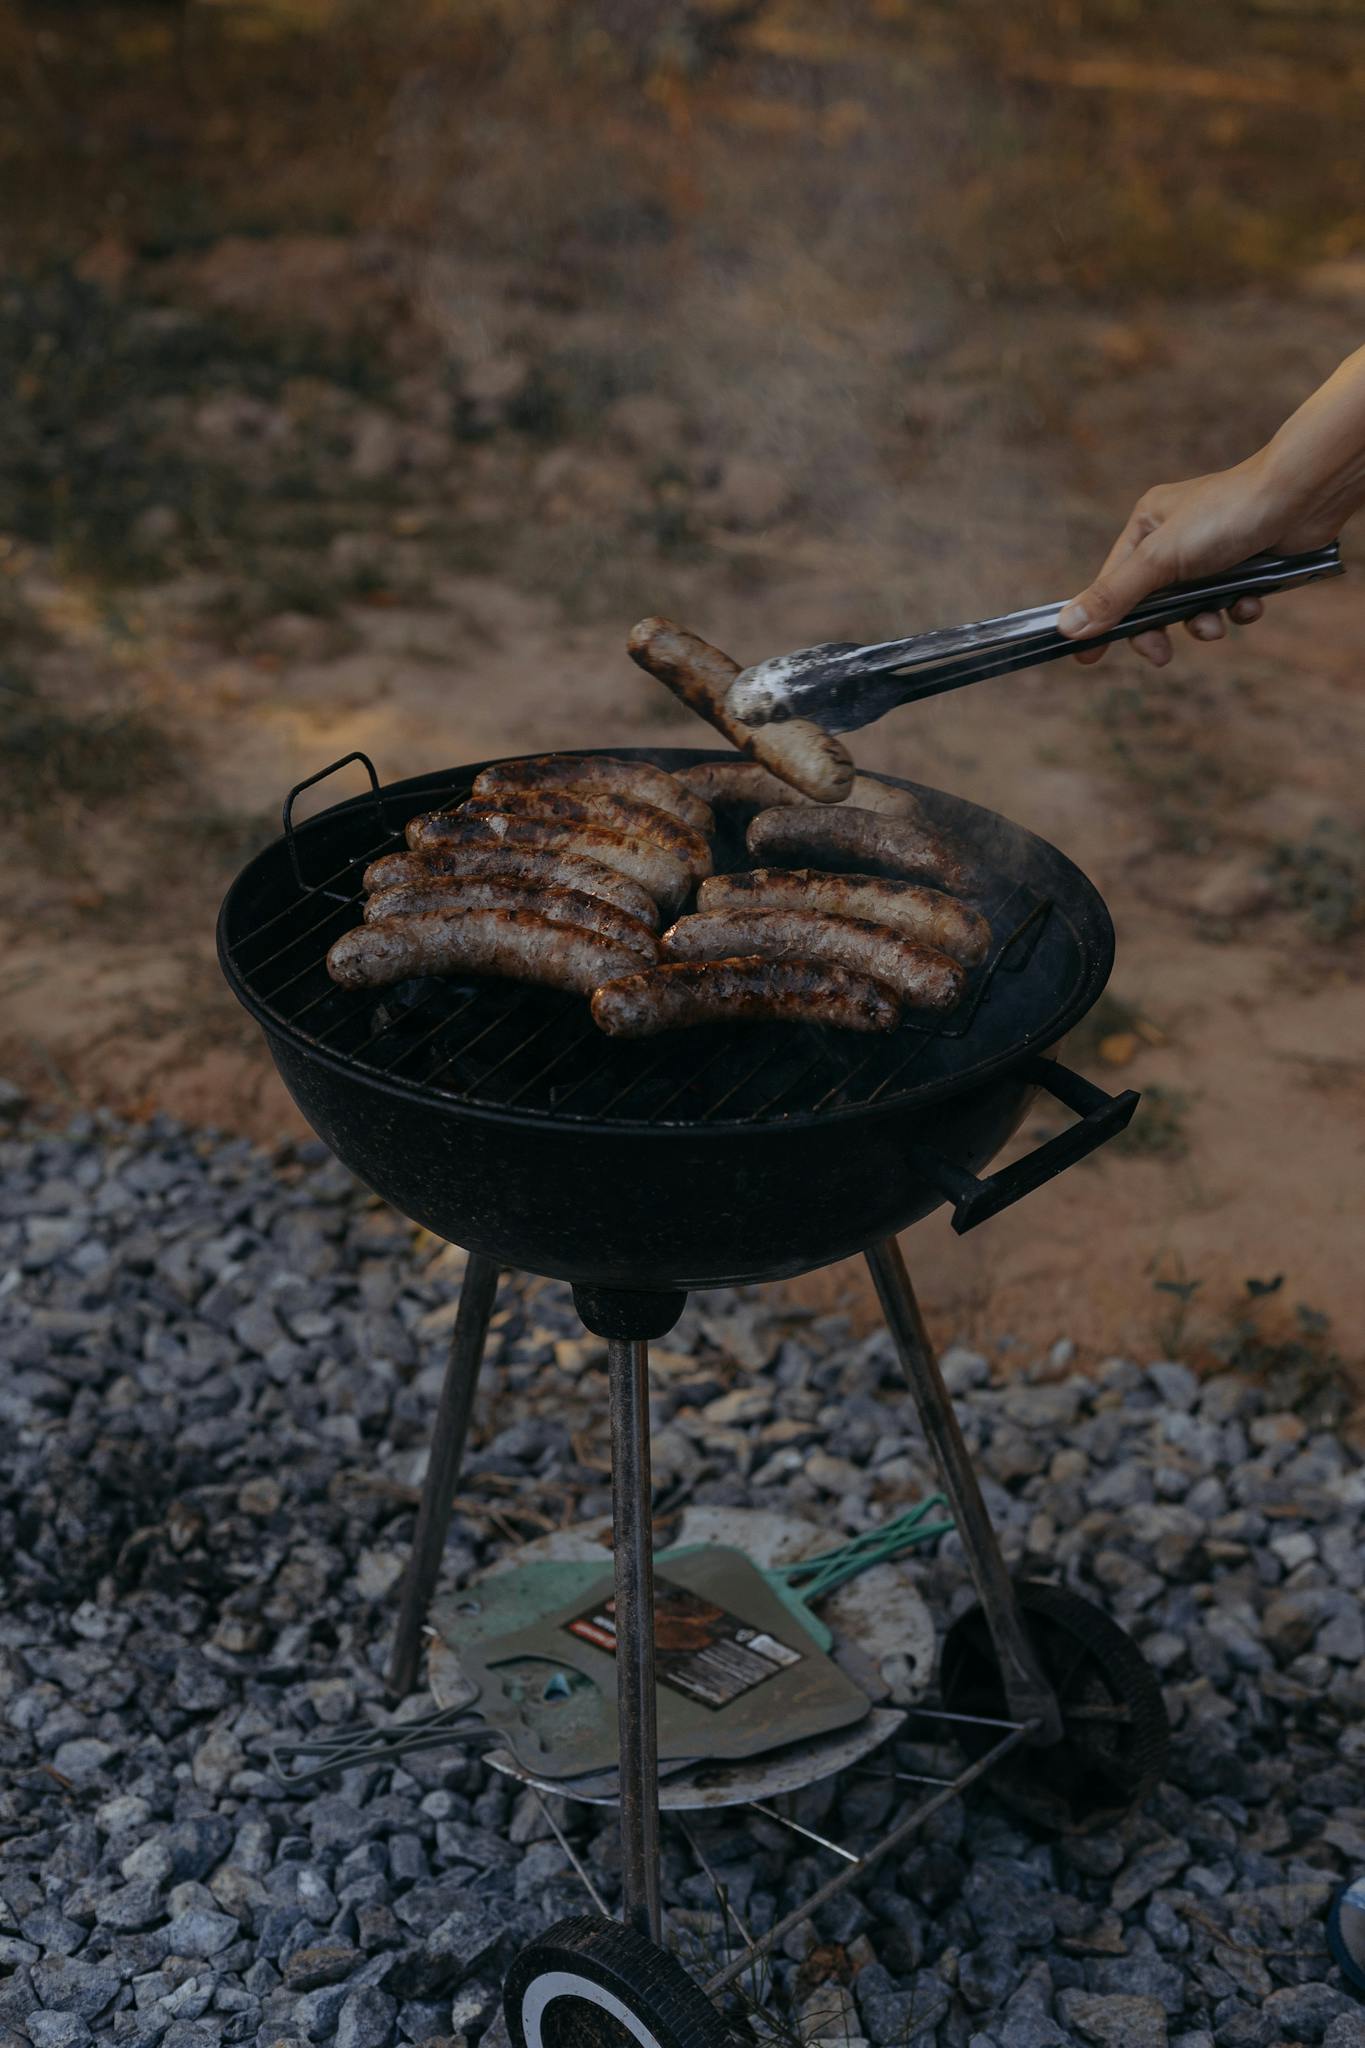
x=699, y=1649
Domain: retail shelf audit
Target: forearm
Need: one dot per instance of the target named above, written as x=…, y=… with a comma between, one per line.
x=1313, y=468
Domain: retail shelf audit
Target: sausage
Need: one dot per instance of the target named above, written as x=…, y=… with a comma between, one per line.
x=796, y=751
x=517, y=945
x=561, y=906
x=917, y=913
x=923, y=978
x=638, y=779
x=666, y=879
x=870, y=793
x=744, y=782
x=739, y=782
x=545, y=868
x=804, y=836
x=745, y=991
x=617, y=813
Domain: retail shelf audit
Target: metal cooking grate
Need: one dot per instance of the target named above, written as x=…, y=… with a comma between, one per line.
x=537, y=1052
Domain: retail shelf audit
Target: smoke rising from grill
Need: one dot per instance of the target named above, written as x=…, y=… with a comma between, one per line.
x=755, y=241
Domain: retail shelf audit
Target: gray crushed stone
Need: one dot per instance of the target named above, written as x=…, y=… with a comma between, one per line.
x=220, y=1369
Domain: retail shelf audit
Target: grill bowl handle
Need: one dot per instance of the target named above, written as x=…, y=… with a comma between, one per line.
x=376, y=796
x=1102, y=1117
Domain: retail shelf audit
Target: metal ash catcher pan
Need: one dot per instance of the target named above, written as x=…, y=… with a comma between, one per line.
x=501, y=1120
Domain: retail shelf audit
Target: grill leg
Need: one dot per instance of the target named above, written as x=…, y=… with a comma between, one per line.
x=443, y=1472
x=632, y=1505
x=1027, y=1690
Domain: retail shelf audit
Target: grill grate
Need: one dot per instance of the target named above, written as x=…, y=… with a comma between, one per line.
x=536, y=1052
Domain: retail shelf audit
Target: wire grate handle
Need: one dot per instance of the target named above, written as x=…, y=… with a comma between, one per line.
x=291, y=837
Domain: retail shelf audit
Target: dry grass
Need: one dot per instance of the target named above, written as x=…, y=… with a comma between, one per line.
x=50, y=753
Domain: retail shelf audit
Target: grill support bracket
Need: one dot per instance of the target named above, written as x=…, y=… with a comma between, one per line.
x=632, y=1502
x=1030, y=1695
x=628, y=1319
x=477, y=1294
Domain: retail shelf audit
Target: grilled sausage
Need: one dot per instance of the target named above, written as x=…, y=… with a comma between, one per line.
x=617, y=813
x=798, y=752
x=516, y=945
x=666, y=879
x=917, y=913
x=638, y=779
x=745, y=991
x=561, y=906
x=739, y=782
x=547, y=869
x=744, y=782
x=870, y=793
x=922, y=978
x=858, y=839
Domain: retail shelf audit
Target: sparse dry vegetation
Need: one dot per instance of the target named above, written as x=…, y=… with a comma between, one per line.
x=370, y=369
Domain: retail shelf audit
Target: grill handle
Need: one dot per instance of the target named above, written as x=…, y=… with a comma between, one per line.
x=1102, y=1117
x=312, y=888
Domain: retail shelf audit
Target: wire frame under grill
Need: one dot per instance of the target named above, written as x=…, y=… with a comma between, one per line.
x=536, y=1052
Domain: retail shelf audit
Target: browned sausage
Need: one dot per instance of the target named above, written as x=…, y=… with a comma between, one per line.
x=922, y=978
x=804, y=836
x=561, y=906
x=666, y=879
x=917, y=913
x=745, y=991
x=547, y=870
x=800, y=753
x=515, y=945
x=744, y=782
x=591, y=807
x=638, y=779
x=739, y=782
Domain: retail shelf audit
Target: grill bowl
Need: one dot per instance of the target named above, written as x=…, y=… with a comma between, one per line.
x=501, y=1120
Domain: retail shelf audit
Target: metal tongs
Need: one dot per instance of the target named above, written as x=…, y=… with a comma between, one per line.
x=841, y=686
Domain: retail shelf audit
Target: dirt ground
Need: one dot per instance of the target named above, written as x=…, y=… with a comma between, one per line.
x=365, y=387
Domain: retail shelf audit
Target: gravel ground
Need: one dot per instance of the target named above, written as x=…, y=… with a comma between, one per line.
x=222, y=1368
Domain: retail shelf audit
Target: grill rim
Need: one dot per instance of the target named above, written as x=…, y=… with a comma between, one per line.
x=1094, y=933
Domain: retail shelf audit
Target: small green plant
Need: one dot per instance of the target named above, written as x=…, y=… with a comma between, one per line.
x=1323, y=877
x=1158, y=1127
x=1300, y=1368
x=1172, y=1327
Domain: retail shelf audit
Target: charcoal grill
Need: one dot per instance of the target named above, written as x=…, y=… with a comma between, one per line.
x=501, y=1119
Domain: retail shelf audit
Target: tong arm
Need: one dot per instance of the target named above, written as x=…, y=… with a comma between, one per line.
x=841, y=687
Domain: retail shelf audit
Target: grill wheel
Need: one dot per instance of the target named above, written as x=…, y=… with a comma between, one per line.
x=1117, y=1737
x=590, y=1983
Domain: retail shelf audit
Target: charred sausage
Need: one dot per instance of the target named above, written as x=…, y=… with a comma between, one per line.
x=594, y=807
x=745, y=782
x=923, y=978
x=516, y=945
x=638, y=779
x=545, y=868
x=746, y=991
x=798, y=752
x=804, y=836
x=561, y=906
x=666, y=879
x=916, y=912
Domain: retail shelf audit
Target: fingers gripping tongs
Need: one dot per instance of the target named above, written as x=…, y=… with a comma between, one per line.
x=841, y=687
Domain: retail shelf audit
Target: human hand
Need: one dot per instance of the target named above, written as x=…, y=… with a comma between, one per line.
x=1294, y=494
x=1175, y=532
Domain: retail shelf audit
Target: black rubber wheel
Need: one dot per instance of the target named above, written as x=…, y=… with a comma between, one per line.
x=1117, y=1735
x=591, y=1983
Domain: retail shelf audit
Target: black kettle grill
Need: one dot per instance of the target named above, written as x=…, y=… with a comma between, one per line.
x=500, y=1118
